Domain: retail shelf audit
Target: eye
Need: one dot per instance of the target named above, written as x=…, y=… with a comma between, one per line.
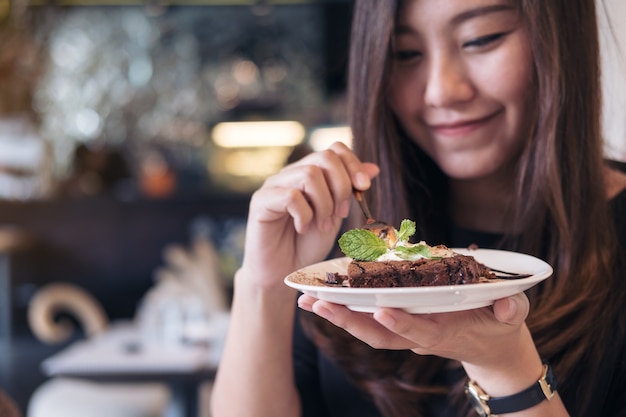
x=406, y=55
x=483, y=41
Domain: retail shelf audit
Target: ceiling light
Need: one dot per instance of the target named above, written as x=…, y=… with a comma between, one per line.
x=258, y=134
x=322, y=137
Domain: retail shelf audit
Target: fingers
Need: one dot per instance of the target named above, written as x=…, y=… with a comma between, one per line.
x=427, y=334
x=276, y=201
x=319, y=186
x=425, y=331
x=387, y=328
x=360, y=173
x=342, y=171
x=403, y=323
x=360, y=325
x=309, y=184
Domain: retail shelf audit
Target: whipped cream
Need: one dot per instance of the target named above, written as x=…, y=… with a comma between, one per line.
x=439, y=251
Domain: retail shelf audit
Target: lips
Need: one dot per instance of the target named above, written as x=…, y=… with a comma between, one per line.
x=460, y=127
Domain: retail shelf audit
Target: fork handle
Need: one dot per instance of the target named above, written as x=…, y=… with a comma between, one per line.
x=358, y=196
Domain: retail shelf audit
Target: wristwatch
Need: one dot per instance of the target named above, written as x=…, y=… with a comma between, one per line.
x=487, y=406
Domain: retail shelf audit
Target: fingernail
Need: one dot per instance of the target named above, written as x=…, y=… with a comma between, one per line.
x=304, y=305
x=385, y=318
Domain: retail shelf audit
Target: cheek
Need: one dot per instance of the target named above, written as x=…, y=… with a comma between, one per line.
x=395, y=93
x=403, y=95
x=512, y=87
x=508, y=76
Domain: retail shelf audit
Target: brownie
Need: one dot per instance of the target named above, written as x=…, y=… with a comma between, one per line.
x=455, y=270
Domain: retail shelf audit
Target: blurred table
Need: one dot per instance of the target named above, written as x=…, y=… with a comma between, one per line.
x=120, y=355
x=12, y=240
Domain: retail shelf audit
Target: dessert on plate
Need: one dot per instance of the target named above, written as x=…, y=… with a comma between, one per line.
x=383, y=257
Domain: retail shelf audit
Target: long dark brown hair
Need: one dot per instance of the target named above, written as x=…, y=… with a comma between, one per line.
x=559, y=203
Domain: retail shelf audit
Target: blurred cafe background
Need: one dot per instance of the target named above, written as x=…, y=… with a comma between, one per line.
x=132, y=134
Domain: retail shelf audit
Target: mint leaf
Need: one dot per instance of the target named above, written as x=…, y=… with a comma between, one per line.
x=407, y=229
x=410, y=253
x=362, y=245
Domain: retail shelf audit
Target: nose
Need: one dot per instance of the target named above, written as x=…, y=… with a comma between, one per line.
x=447, y=83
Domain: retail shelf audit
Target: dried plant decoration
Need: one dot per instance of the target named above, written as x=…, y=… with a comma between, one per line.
x=22, y=58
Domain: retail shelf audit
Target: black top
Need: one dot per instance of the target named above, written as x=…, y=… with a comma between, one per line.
x=326, y=392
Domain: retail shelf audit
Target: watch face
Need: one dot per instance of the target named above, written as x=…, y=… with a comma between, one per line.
x=479, y=406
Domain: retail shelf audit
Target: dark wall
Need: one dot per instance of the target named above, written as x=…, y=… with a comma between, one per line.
x=337, y=22
x=109, y=247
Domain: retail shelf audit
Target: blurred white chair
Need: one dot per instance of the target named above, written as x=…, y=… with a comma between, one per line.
x=66, y=397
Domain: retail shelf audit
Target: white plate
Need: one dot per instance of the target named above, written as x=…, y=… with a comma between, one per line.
x=435, y=299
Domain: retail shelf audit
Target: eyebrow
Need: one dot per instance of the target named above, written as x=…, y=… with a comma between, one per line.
x=463, y=16
x=481, y=11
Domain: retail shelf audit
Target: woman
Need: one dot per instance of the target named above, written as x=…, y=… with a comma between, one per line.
x=480, y=120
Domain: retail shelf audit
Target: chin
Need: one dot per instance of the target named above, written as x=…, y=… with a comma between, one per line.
x=469, y=168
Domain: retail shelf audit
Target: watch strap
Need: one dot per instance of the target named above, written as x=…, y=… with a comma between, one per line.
x=531, y=396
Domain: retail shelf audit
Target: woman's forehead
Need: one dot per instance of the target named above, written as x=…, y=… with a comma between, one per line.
x=426, y=13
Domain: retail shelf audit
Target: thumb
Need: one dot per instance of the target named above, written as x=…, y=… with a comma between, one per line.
x=512, y=310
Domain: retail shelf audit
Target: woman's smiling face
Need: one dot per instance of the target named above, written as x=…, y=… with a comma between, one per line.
x=461, y=83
